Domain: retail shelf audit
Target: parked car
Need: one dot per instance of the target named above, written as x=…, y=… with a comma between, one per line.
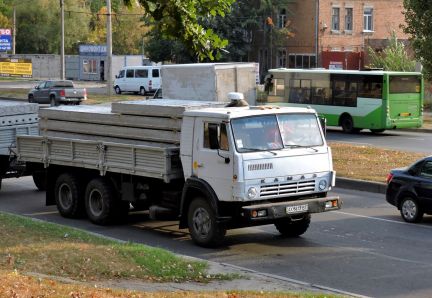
x=138, y=79
x=410, y=190
x=56, y=92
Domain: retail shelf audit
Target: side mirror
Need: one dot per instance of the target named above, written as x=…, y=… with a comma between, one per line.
x=36, y=87
x=116, y=76
x=323, y=122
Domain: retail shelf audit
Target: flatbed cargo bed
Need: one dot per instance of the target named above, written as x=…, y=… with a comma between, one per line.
x=159, y=161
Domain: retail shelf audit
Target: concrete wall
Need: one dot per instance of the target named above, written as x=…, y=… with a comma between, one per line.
x=48, y=66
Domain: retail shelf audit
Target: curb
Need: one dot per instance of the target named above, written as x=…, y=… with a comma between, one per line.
x=361, y=185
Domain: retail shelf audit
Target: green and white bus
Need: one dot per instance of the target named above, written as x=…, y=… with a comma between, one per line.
x=355, y=100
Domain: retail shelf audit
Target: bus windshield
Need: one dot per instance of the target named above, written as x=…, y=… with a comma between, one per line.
x=276, y=132
x=405, y=84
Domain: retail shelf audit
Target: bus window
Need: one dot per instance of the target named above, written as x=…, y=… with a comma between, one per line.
x=405, y=84
x=300, y=91
x=370, y=86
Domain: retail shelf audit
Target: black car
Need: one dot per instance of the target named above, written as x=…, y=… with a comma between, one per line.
x=410, y=190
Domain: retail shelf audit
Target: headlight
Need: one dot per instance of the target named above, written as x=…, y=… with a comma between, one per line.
x=252, y=193
x=322, y=184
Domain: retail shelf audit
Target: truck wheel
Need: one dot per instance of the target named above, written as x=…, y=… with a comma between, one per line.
x=290, y=228
x=142, y=91
x=68, y=196
x=39, y=179
x=53, y=102
x=204, y=229
x=31, y=98
x=117, y=90
x=101, y=203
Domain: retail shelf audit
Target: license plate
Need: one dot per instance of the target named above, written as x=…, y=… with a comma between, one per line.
x=297, y=209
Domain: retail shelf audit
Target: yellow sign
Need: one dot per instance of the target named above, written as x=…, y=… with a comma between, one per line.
x=10, y=67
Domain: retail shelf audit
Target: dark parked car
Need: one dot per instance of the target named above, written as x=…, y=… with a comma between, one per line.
x=410, y=189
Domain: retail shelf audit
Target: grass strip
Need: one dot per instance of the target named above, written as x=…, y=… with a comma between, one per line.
x=369, y=163
x=29, y=245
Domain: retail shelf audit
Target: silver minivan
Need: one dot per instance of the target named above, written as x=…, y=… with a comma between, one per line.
x=138, y=79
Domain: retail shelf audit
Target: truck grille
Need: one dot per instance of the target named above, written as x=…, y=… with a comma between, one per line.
x=286, y=189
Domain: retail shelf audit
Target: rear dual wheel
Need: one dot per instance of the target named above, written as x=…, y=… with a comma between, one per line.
x=69, y=196
x=102, y=203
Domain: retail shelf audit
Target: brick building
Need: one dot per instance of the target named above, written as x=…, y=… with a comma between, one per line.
x=327, y=33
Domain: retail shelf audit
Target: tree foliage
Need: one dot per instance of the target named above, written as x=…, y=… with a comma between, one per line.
x=180, y=20
x=394, y=57
x=418, y=17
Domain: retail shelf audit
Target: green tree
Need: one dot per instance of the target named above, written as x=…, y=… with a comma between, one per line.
x=418, y=18
x=180, y=20
x=38, y=26
x=394, y=57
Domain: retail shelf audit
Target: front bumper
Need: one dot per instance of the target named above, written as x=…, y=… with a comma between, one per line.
x=271, y=211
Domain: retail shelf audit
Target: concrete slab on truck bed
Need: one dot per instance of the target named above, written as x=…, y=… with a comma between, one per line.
x=99, y=114
x=173, y=108
x=143, y=134
x=9, y=108
x=78, y=136
x=18, y=119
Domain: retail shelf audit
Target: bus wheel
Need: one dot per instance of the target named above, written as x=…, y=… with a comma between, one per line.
x=377, y=130
x=347, y=124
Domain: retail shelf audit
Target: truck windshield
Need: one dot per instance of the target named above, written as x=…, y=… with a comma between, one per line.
x=275, y=132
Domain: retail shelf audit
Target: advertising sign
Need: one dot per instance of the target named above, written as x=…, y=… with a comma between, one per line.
x=16, y=68
x=5, y=40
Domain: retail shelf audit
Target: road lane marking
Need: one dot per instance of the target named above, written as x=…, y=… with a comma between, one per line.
x=41, y=213
x=382, y=219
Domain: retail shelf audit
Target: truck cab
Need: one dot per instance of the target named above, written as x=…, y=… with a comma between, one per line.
x=253, y=166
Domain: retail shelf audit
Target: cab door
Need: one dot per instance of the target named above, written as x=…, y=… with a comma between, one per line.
x=213, y=156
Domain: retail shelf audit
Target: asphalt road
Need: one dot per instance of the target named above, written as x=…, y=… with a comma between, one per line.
x=392, y=139
x=365, y=248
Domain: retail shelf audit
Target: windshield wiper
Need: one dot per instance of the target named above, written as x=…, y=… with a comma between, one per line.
x=299, y=146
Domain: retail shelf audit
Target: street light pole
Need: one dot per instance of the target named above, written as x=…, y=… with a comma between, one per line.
x=109, y=48
x=62, y=51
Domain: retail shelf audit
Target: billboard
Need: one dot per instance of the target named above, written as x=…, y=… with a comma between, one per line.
x=5, y=40
x=10, y=67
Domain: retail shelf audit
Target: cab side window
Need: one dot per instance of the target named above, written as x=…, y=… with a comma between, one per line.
x=426, y=170
x=121, y=74
x=215, y=136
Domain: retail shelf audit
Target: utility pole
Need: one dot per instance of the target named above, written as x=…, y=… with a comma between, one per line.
x=62, y=51
x=13, y=29
x=109, y=48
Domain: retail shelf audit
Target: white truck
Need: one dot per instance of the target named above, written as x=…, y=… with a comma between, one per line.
x=212, y=167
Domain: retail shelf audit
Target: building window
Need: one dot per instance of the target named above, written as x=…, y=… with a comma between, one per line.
x=281, y=58
x=302, y=61
x=368, y=19
x=282, y=18
x=348, y=19
x=89, y=66
x=335, y=19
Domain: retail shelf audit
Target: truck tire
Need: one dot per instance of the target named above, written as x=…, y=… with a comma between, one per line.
x=68, y=196
x=117, y=90
x=101, y=202
x=53, y=102
x=290, y=228
x=39, y=179
x=204, y=229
